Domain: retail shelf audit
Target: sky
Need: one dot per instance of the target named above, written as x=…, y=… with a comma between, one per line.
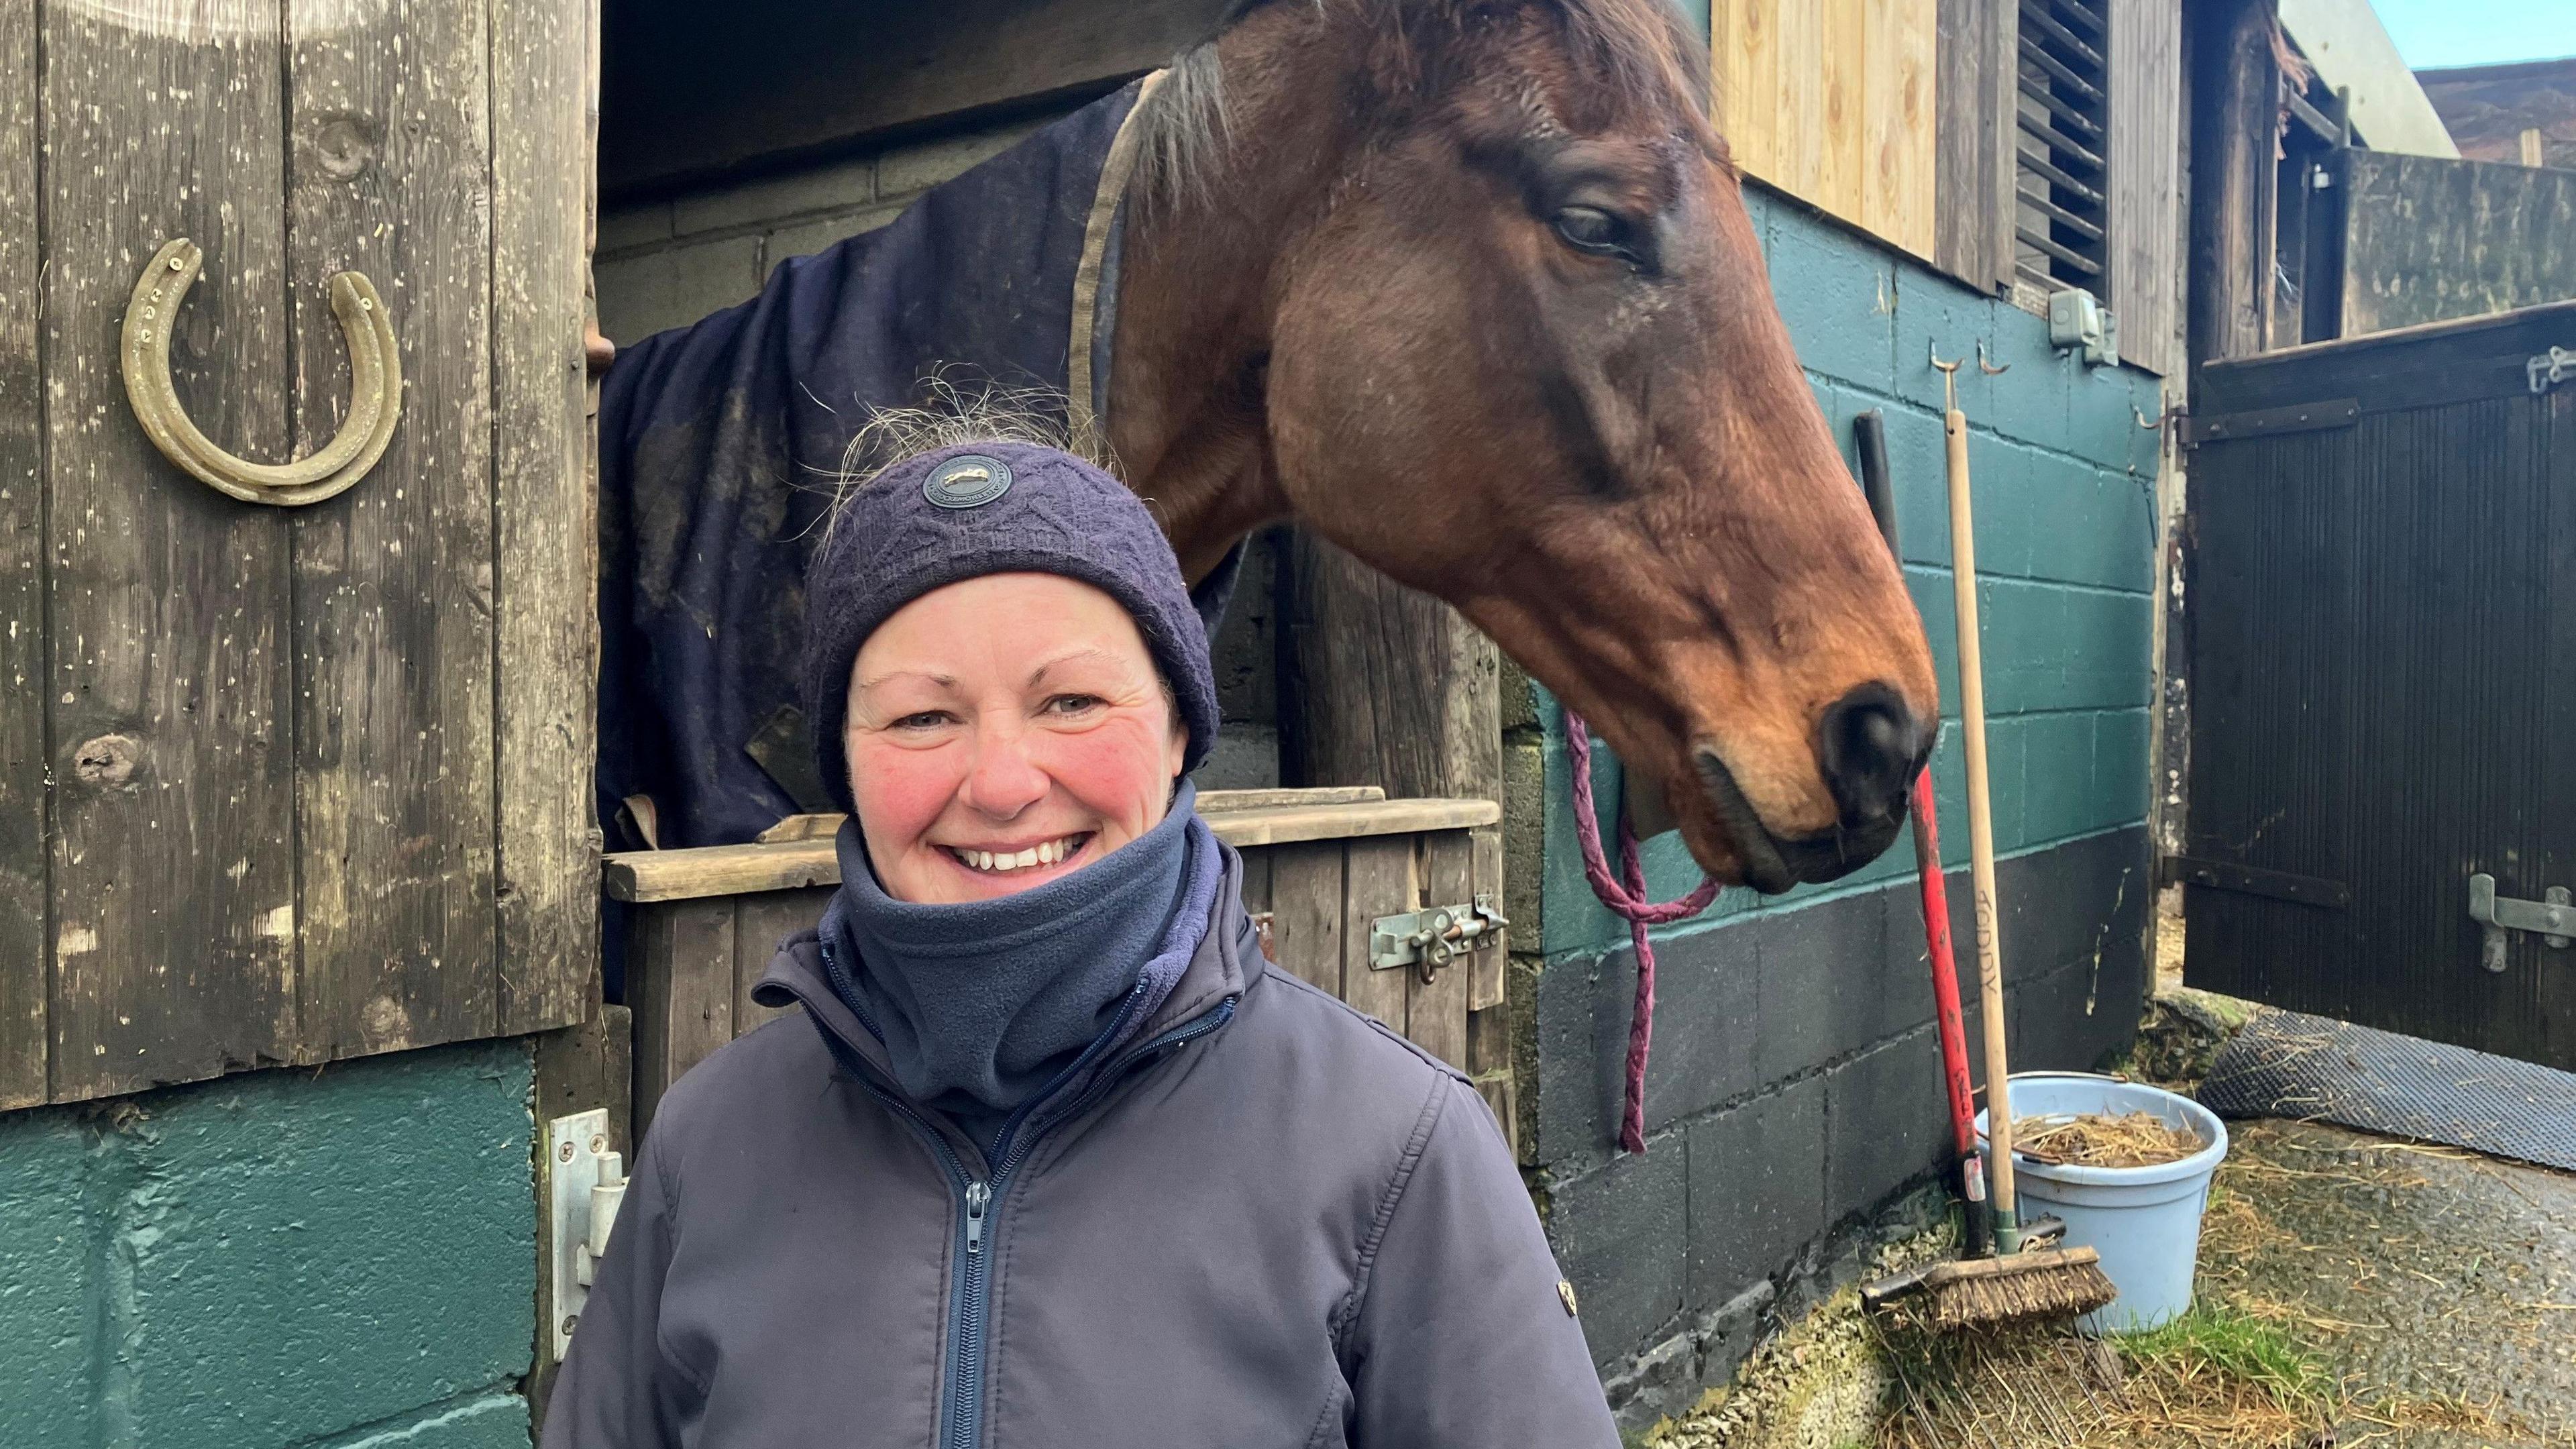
x=2478, y=32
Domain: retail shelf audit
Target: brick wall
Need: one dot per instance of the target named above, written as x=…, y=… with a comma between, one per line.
x=280, y=1258
x=1795, y=1090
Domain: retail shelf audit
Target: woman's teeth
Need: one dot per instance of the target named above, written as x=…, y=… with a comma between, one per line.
x=1047, y=853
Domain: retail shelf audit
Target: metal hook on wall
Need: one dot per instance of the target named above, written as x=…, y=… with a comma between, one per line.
x=375, y=388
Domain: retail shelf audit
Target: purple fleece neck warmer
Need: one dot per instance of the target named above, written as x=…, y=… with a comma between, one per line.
x=984, y=1005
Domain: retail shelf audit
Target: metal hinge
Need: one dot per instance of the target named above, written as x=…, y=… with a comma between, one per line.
x=2552, y=916
x=1430, y=939
x=2548, y=369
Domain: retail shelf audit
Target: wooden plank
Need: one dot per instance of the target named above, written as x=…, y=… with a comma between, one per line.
x=1899, y=123
x=392, y=621
x=1382, y=876
x=2145, y=180
x=700, y=91
x=679, y=982
x=2233, y=83
x=1435, y=1011
x=760, y=923
x=1306, y=921
x=1837, y=130
x=1485, y=981
x=23, y=949
x=545, y=620
x=173, y=876
x=1219, y=802
x=724, y=870
x=1256, y=894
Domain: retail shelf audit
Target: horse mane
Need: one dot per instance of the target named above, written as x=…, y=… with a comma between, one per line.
x=1637, y=47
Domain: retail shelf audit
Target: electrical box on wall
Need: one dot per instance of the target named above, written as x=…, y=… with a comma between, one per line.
x=2077, y=319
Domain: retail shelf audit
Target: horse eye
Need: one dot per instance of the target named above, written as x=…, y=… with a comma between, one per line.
x=1590, y=229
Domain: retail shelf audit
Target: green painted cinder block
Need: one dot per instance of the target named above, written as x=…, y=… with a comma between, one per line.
x=2057, y=779
x=2103, y=405
x=2090, y=526
x=484, y=1421
x=2028, y=402
x=1935, y=314
x=50, y=1278
x=2120, y=763
x=275, y=1258
x=1838, y=297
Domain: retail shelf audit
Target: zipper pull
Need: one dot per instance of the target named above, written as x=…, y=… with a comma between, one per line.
x=978, y=1195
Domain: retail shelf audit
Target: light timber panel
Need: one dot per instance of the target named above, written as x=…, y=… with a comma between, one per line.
x=697, y=951
x=287, y=785
x=1832, y=101
x=1973, y=103
x=2146, y=180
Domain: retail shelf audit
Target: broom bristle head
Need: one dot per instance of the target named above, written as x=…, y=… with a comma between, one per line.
x=2019, y=1295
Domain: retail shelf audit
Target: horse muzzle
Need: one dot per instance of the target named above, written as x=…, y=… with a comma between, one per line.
x=1869, y=747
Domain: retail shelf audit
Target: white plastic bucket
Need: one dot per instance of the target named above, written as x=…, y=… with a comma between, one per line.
x=2144, y=1221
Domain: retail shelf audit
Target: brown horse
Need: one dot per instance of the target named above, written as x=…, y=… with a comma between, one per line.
x=1468, y=287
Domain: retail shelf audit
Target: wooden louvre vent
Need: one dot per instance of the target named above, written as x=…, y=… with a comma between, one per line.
x=2061, y=179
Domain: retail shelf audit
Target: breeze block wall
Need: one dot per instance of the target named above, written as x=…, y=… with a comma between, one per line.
x=1794, y=1091
x=343, y=1258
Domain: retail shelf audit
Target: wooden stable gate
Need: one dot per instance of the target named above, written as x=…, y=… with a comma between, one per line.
x=1321, y=867
x=2381, y=596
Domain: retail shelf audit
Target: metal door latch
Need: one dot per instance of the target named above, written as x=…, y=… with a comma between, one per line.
x=2548, y=369
x=1430, y=939
x=2552, y=916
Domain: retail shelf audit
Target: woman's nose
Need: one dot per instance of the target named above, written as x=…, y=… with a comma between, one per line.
x=1003, y=781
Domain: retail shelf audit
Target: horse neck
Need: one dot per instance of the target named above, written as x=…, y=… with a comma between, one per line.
x=1199, y=277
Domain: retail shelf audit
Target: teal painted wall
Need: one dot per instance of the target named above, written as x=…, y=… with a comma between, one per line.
x=2065, y=498
x=288, y=1258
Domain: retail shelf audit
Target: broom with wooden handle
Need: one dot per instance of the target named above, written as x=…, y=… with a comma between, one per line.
x=2015, y=1285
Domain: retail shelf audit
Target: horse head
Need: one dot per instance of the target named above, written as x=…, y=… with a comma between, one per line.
x=1471, y=290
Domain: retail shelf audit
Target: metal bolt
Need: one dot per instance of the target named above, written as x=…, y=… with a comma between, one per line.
x=566, y=1154
x=177, y=265
x=569, y=1320
x=599, y=1145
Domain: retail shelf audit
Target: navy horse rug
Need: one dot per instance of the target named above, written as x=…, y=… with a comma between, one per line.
x=720, y=445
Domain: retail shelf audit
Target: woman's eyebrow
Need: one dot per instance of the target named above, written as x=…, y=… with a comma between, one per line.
x=944, y=681
x=1038, y=675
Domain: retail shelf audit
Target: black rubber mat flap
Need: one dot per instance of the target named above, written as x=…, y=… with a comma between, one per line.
x=2285, y=1064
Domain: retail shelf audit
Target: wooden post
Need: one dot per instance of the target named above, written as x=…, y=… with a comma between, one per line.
x=2234, y=120
x=1380, y=685
x=2532, y=154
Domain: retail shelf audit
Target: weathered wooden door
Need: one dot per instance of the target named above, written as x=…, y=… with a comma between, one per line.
x=285, y=784
x=2381, y=588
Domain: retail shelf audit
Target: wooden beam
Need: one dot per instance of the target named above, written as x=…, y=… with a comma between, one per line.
x=1973, y=126
x=545, y=612
x=730, y=870
x=2235, y=86
x=24, y=952
x=695, y=92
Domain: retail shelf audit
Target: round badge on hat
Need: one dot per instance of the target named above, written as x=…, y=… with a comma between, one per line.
x=969, y=480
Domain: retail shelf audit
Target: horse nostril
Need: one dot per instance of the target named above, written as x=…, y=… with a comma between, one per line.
x=1870, y=745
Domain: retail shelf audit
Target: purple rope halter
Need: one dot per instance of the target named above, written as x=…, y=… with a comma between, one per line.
x=1626, y=898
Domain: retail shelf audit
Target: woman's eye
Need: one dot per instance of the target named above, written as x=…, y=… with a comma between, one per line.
x=1073, y=703
x=927, y=719
x=1590, y=229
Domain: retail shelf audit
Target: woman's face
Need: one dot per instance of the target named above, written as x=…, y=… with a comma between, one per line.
x=1005, y=730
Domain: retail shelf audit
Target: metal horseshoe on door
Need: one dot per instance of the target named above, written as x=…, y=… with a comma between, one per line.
x=375, y=389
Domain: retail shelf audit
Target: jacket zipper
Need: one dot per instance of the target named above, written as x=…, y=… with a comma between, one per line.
x=964, y=1408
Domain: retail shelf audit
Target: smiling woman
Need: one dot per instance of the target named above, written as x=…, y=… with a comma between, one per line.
x=1110, y=1180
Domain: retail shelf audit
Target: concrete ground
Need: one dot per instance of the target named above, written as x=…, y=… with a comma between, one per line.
x=2355, y=1290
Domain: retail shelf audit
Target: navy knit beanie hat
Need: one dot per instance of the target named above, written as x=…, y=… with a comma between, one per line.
x=991, y=508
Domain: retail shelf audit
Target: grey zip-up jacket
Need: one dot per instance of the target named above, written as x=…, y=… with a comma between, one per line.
x=1265, y=1221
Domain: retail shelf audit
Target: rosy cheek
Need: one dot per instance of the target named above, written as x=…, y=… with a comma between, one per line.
x=1117, y=769
x=901, y=793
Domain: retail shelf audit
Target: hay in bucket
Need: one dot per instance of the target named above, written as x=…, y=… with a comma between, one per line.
x=2095, y=1139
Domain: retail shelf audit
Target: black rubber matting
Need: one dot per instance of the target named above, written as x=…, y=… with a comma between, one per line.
x=2285, y=1064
